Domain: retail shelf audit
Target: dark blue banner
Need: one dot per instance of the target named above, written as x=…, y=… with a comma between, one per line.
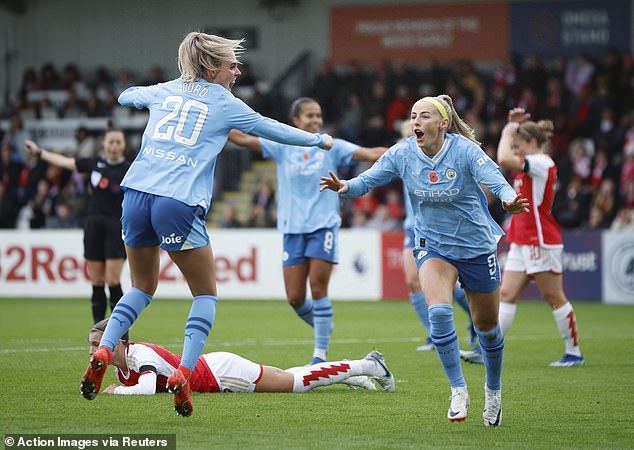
x=582, y=274
x=569, y=28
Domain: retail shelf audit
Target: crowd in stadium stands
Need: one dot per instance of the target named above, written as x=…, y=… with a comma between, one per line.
x=590, y=101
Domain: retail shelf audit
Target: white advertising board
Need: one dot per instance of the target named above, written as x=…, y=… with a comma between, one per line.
x=248, y=266
x=618, y=267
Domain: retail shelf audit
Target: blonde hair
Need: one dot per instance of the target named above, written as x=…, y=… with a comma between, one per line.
x=456, y=124
x=202, y=54
x=540, y=131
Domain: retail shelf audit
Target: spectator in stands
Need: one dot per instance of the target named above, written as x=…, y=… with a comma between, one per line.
x=351, y=121
x=8, y=210
x=382, y=221
x=536, y=246
x=70, y=77
x=15, y=137
x=63, y=217
x=359, y=219
x=103, y=245
x=601, y=169
x=124, y=80
x=605, y=198
x=94, y=106
x=40, y=206
x=29, y=80
x=627, y=171
x=87, y=146
x=627, y=199
x=597, y=220
x=229, y=217
x=10, y=171
x=398, y=108
x=624, y=220
x=49, y=78
x=72, y=109
x=46, y=110
x=310, y=221
x=262, y=204
x=155, y=76
x=580, y=153
x=326, y=90
x=394, y=202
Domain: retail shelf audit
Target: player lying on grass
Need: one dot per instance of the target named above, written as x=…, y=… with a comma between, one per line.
x=143, y=369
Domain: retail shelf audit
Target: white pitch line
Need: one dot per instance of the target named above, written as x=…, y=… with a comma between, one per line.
x=264, y=342
x=243, y=343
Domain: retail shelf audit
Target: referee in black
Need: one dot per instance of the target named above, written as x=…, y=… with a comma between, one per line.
x=103, y=245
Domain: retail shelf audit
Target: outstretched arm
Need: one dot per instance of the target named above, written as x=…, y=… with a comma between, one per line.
x=382, y=172
x=506, y=157
x=52, y=158
x=368, y=153
x=245, y=140
x=275, y=131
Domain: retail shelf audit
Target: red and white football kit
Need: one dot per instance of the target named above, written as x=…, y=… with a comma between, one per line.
x=535, y=237
x=150, y=365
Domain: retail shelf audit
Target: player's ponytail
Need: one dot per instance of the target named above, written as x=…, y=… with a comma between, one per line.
x=456, y=124
x=541, y=131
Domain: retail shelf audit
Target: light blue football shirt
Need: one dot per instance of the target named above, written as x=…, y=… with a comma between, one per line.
x=301, y=208
x=188, y=127
x=408, y=223
x=448, y=203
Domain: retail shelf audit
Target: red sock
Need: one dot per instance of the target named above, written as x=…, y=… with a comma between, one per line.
x=185, y=371
x=107, y=350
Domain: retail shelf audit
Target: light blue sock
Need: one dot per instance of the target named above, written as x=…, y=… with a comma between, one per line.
x=460, y=297
x=322, y=322
x=201, y=318
x=420, y=306
x=305, y=312
x=123, y=316
x=492, y=345
x=443, y=335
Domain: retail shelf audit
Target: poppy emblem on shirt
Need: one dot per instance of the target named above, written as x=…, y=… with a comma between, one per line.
x=451, y=174
x=306, y=156
x=433, y=177
x=103, y=184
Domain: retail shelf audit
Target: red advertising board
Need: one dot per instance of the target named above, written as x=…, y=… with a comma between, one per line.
x=414, y=32
x=394, y=286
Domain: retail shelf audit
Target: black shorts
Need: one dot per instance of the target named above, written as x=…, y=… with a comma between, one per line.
x=102, y=238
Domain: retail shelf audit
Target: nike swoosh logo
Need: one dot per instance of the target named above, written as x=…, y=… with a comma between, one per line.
x=453, y=413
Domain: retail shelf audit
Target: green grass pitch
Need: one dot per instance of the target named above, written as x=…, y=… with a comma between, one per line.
x=43, y=353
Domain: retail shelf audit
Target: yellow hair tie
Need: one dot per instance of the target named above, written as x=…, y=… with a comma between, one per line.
x=441, y=109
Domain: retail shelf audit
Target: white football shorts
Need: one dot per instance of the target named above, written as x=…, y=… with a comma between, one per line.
x=534, y=259
x=232, y=372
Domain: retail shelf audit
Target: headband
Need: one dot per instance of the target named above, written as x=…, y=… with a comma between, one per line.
x=441, y=109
